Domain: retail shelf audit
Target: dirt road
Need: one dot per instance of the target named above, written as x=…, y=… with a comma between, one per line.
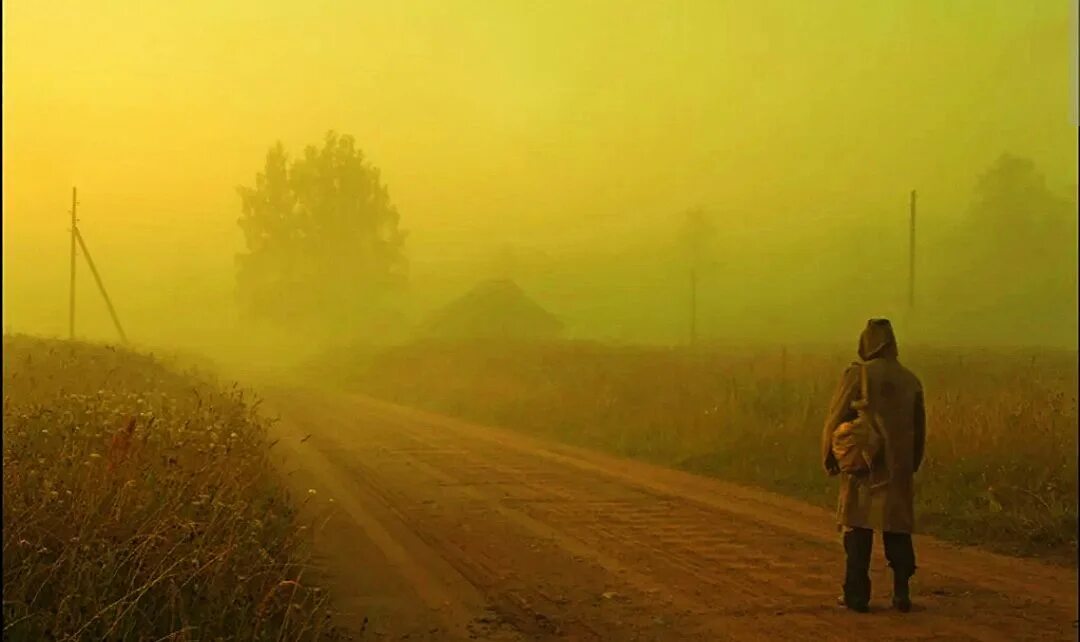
x=445, y=530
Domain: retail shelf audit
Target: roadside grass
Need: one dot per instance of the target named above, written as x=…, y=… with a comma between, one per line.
x=140, y=503
x=1001, y=463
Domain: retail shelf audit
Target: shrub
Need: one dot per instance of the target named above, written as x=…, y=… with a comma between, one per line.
x=140, y=503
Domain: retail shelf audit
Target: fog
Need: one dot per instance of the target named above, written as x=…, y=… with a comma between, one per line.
x=560, y=144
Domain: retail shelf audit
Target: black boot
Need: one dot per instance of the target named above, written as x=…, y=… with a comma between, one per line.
x=858, y=607
x=858, y=544
x=901, y=597
x=901, y=555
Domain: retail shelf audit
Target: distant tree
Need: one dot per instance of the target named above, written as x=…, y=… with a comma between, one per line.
x=322, y=238
x=1015, y=259
x=1018, y=224
x=1017, y=210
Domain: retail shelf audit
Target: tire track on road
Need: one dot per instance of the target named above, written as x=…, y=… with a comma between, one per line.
x=562, y=543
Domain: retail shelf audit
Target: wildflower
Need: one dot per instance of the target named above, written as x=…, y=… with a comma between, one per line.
x=95, y=456
x=311, y=491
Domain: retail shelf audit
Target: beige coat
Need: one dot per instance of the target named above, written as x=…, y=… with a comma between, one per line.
x=884, y=499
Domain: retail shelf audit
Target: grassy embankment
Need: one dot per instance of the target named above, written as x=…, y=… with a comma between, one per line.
x=1001, y=464
x=141, y=504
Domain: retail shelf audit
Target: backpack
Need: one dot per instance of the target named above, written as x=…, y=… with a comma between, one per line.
x=856, y=444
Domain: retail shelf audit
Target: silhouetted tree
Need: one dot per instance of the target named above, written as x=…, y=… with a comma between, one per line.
x=1016, y=256
x=322, y=236
x=1016, y=209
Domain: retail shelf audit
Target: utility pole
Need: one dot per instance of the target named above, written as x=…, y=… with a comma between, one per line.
x=101, y=288
x=71, y=301
x=76, y=237
x=696, y=235
x=911, y=257
x=693, y=304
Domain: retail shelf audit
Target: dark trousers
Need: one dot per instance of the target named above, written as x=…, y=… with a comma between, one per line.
x=858, y=544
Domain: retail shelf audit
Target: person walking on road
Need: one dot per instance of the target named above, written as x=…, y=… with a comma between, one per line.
x=874, y=438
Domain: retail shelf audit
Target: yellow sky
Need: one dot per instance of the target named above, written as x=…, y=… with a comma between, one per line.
x=556, y=122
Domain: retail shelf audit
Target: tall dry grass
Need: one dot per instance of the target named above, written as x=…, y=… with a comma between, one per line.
x=140, y=504
x=1001, y=463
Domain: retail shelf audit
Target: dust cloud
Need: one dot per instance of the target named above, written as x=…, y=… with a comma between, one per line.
x=559, y=145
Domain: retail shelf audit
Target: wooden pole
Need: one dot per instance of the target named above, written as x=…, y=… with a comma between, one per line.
x=71, y=299
x=101, y=287
x=783, y=363
x=693, y=306
x=911, y=257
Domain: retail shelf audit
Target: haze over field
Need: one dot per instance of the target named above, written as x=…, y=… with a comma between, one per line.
x=565, y=286
x=560, y=144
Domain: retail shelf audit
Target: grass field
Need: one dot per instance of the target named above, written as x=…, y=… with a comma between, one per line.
x=1001, y=463
x=141, y=504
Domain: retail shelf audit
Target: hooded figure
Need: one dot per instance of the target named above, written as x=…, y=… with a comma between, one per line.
x=883, y=499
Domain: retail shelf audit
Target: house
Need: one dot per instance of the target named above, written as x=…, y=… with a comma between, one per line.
x=493, y=310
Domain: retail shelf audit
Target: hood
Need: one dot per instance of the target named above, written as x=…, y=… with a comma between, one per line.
x=877, y=341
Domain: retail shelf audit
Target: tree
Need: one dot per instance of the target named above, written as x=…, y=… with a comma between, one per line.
x=1014, y=263
x=1018, y=226
x=1016, y=209
x=323, y=244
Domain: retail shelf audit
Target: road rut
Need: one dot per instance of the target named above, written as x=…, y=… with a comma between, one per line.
x=447, y=530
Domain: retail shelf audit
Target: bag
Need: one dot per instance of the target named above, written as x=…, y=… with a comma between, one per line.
x=856, y=444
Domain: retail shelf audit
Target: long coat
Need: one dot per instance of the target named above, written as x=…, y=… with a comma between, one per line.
x=884, y=499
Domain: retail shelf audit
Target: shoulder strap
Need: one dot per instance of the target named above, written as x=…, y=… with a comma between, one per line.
x=863, y=387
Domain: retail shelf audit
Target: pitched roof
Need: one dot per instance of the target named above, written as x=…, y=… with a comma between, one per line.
x=494, y=309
